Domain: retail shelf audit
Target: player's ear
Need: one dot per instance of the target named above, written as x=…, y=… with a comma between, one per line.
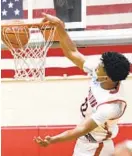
x=107, y=78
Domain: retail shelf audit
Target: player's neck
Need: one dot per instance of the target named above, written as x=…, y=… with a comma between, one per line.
x=108, y=86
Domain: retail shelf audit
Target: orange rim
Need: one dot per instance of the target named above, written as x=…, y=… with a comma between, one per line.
x=35, y=25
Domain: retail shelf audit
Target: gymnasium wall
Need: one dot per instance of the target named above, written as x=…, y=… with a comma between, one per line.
x=49, y=102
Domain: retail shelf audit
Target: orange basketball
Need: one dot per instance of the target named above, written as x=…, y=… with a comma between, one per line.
x=15, y=36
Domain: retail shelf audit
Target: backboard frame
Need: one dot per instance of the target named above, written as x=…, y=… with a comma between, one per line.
x=69, y=25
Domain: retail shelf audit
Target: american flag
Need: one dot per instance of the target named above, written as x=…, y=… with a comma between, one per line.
x=11, y=9
x=102, y=14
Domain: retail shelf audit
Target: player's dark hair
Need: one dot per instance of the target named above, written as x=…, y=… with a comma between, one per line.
x=116, y=65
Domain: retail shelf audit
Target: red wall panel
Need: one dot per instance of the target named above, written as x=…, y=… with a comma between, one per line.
x=125, y=132
x=18, y=141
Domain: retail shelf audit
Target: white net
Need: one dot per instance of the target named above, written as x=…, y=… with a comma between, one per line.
x=30, y=59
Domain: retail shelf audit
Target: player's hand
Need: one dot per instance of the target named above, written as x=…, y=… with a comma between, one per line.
x=43, y=142
x=53, y=20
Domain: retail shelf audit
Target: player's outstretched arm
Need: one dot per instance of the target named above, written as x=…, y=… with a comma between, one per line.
x=85, y=127
x=68, y=46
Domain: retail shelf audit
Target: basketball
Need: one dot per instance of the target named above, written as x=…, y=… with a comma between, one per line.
x=15, y=36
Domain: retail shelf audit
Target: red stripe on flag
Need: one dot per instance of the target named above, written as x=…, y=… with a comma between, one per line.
x=96, y=50
x=70, y=71
x=7, y=73
x=114, y=26
x=109, y=9
x=25, y=14
x=37, y=13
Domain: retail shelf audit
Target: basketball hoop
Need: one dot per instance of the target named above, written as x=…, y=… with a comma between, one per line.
x=29, y=50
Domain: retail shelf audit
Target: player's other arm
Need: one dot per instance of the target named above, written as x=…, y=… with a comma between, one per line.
x=102, y=115
x=68, y=46
x=85, y=127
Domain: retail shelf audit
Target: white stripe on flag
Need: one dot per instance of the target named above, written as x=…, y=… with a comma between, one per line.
x=107, y=2
x=62, y=62
x=109, y=19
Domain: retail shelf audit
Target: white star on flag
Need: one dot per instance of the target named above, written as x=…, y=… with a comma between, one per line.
x=10, y=5
x=12, y=9
x=4, y=12
x=17, y=12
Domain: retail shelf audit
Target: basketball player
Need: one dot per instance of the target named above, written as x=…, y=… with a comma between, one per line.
x=104, y=104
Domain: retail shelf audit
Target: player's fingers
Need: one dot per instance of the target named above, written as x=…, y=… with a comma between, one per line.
x=45, y=18
x=50, y=18
x=37, y=139
x=44, y=14
x=43, y=142
x=53, y=20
